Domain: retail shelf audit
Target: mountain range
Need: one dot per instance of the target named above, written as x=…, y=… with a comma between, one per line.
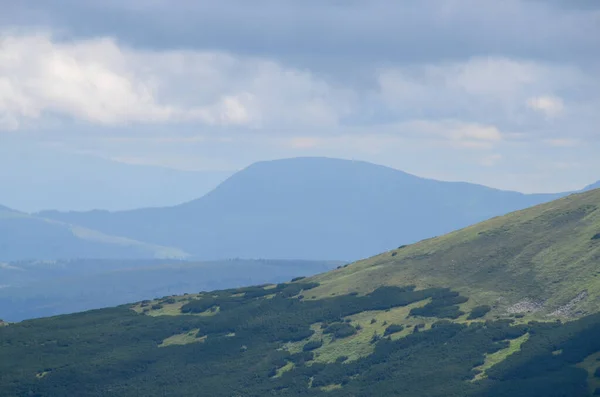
x=506, y=307
x=24, y=236
x=308, y=208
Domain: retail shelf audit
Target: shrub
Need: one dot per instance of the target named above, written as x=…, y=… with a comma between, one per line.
x=479, y=312
x=341, y=359
x=392, y=329
x=302, y=357
x=340, y=330
x=596, y=236
x=298, y=278
x=157, y=306
x=312, y=345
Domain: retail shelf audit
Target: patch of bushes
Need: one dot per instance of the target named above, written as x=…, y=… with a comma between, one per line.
x=392, y=329
x=312, y=345
x=596, y=236
x=479, y=311
x=340, y=330
x=444, y=304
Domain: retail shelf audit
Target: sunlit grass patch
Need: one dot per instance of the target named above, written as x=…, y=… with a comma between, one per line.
x=171, y=307
x=591, y=364
x=331, y=387
x=183, y=339
x=499, y=356
x=368, y=324
x=287, y=367
x=42, y=374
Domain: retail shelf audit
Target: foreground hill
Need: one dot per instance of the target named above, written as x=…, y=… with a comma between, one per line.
x=310, y=208
x=41, y=289
x=545, y=258
x=508, y=307
x=24, y=236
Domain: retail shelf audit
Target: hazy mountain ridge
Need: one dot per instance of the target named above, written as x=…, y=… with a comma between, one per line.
x=24, y=236
x=309, y=208
x=592, y=186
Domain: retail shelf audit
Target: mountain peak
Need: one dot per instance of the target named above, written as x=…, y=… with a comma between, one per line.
x=310, y=208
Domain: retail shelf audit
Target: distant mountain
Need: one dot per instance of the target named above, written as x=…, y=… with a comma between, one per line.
x=47, y=288
x=309, y=208
x=35, y=179
x=592, y=186
x=24, y=236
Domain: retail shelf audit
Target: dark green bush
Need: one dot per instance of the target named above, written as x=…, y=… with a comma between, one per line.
x=392, y=329
x=312, y=345
x=340, y=330
x=479, y=311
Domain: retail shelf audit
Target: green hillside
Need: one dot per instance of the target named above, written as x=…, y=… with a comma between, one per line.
x=508, y=307
x=543, y=260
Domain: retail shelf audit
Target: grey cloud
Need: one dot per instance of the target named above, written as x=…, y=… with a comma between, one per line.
x=328, y=34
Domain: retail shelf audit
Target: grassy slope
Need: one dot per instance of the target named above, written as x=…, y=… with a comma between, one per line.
x=543, y=254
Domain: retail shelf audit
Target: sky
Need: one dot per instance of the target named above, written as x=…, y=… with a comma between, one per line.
x=502, y=93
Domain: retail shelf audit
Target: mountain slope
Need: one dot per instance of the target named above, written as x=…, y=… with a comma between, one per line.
x=446, y=317
x=310, y=208
x=592, y=186
x=546, y=257
x=24, y=236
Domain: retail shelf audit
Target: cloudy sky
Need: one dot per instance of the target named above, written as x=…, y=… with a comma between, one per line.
x=503, y=93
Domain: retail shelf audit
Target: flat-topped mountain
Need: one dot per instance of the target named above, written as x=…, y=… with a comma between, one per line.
x=309, y=208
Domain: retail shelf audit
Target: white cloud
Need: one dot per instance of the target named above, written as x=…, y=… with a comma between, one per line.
x=562, y=142
x=549, y=105
x=479, y=89
x=458, y=133
x=101, y=82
